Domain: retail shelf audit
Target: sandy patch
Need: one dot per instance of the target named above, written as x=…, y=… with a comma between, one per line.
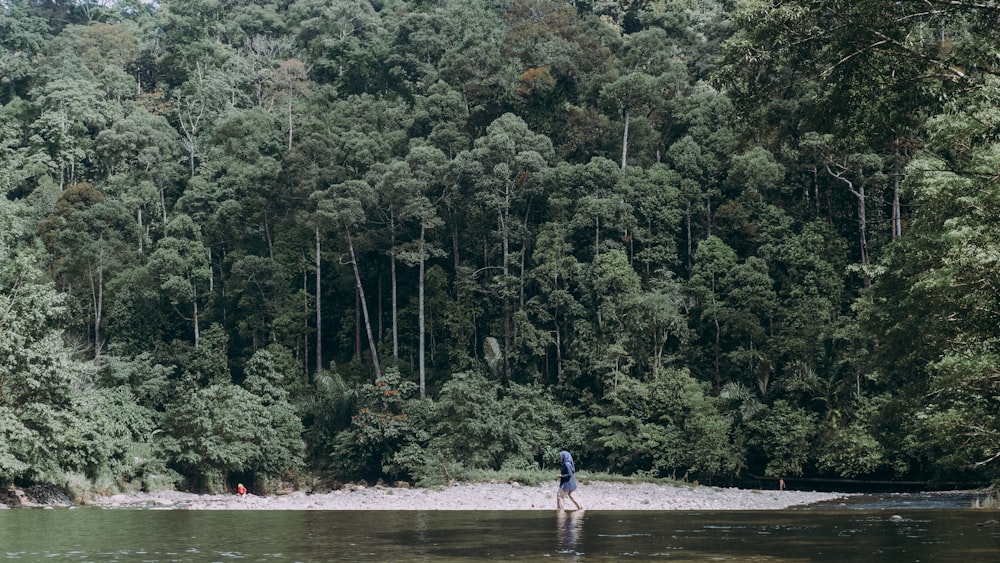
x=597, y=495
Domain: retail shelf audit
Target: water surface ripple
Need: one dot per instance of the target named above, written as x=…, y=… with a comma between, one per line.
x=865, y=528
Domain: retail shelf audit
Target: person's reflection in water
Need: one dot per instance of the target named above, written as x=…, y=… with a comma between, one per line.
x=570, y=527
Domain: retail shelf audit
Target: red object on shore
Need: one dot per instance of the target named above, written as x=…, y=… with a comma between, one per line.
x=241, y=490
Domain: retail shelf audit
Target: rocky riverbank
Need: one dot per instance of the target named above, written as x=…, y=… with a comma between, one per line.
x=597, y=495
x=36, y=496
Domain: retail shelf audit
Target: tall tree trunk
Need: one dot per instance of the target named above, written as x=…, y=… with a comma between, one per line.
x=687, y=221
x=197, y=329
x=897, y=174
x=559, y=358
x=863, y=230
x=163, y=206
x=289, y=123
x=625, y=141
x=859, y=193
x=503, y=218
x=305, y=327
x=357, y=325
x=816, y=190
x=717, y=351
x=395, y=303
x=523, y=265
x=421, y=331
x=708, y=215
x=142, y=240
x=379, y=313
x=267, y=236
x=454, y=245
x=97, y=290
x=319, y=310
x=597, y=236
x=897, y=220
x=659, y=344
x=364, y=305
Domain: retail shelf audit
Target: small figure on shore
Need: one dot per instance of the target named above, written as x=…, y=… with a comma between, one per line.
x=781, y=484
x=241, y=490
x=567, y=480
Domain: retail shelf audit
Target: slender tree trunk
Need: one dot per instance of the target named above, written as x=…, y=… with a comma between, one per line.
x=559, y=358
x=816, y=190
x=521, y=297
x=72, y=171
x=625, y=141
x=897, y=214
x=717, y=352
x=190, y=121
x=502, y=219
x=687, y=221
x=863, y=230
x=142, y=240
x=504, y=241
x=454, y=245
x=631, y=247
x=197, y=329
x=597, y=236
x=267, y=236
x=507, y=341
x=380, y=314
x=659, y=343
x=357, y=325
x=191, y=160
x=708, y=215
x=897, y=220
x=163, y=206
x=859, y=193
x=305, y=328
x=523, y=267
x=319, y=310
x=97, y=291
x=395, y=303
x=364, y=305
x=289, y=123
x=421, y=330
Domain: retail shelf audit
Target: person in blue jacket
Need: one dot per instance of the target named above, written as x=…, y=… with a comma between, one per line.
x=567, y=480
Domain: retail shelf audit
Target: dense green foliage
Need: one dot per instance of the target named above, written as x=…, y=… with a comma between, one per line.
x=390, y=239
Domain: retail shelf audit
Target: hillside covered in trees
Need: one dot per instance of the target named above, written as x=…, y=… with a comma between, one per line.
x=701, y=239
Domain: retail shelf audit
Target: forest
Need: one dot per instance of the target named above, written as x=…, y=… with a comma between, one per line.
x=707, y=240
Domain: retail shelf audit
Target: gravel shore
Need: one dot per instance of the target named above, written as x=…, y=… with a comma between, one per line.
x=596, y=495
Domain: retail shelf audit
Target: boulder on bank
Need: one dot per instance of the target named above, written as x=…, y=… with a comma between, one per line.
x=35, y=496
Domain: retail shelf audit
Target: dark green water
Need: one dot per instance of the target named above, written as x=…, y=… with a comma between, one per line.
x=817, y=534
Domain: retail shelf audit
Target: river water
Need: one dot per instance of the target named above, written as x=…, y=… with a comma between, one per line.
x=870, y=528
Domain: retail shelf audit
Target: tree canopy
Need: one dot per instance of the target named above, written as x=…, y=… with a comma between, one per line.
x=401, y=239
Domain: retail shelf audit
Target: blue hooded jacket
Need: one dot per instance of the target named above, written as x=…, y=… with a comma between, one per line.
x=567, y=475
